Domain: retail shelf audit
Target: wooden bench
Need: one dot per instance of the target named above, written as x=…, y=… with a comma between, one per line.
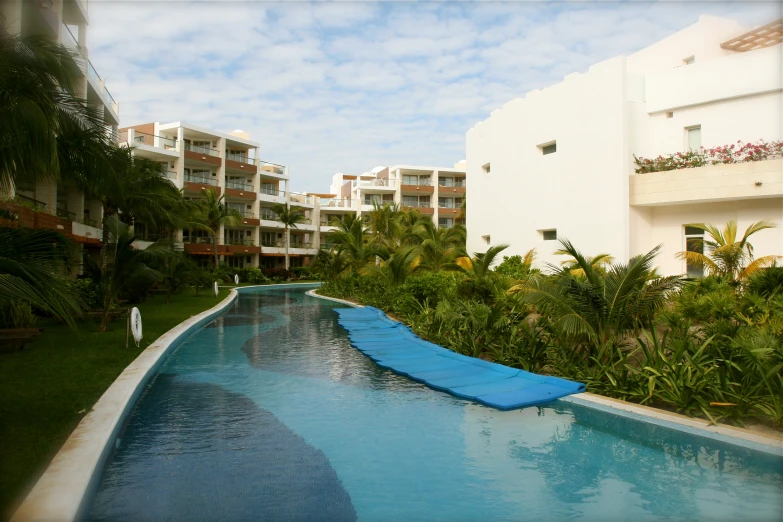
x=16, y=338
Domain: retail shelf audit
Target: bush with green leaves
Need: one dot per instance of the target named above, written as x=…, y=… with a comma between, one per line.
x=17, y=314
x=252, y=275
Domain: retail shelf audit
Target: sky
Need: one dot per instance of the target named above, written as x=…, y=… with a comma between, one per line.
x=331, y=87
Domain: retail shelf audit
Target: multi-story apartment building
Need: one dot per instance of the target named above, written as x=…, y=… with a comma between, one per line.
x=559, y=163
x=58, y=205
x=197, y=159
x=438, y=192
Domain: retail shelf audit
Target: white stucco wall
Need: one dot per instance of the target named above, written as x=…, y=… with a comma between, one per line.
x=600, y=119
x=581, y=190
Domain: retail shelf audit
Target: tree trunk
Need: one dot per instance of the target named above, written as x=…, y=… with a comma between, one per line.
x=287, y=241
x=214, y=245
x=105, y=319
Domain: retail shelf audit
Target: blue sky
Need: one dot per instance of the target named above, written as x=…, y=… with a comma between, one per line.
x=347, y=86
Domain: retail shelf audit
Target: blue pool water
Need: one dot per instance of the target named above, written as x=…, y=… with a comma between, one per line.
x=268, y=413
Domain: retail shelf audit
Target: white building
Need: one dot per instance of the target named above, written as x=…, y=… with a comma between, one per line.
x=196, y=159
x=559, y=163
x=437, y=192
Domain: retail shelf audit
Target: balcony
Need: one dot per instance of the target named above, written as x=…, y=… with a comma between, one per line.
x=451, y=184
x=241, y=163
x=199, y=183
x=99, y=86
x=267, y=168
x=202, y=155
x=137, y=138
x=236, y=246
x=711, y=183
x=451, y=187
x=243, y=193
x=272, y=243
x=381, y=184
x=336, y=204
x=301, y=199
x=422, y=187
x=424, y=208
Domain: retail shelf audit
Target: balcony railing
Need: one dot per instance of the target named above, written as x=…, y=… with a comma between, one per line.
x=148, y=236
x=449, y=204
x=197, y=240
x=62, y=213
x=242, y=212
x=419, y=183
x=153, y=141
x=280, y=170
x=451, y=183
x=199, y=179
x=335, y=203
x=92, y=74
x=202, y=150
x=297, y=244
x=270, y=191
x=68, y=38
x=169, y=174
x=269, y=215
x=91, y=222
x=383, y=182
x=239, y=185
x=243, y=242
x=417, y=204
x=27, y=201
x=301, y=198
x=242, y=158
x=272, y=243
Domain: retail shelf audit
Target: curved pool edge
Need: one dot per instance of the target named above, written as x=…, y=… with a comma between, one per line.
x=729, y=434
x=59, y=494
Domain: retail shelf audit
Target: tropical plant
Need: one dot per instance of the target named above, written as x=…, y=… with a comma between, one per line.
x=290, y=217
x=595, y=308
x=480, y=281
x=518, y=267
x=724, y=254
x=397, y=267
x=350, y=240
x=33, y=265
x=439, y=246
x=46, y=133
x=330, y=263
x=120, y=263
x=384, y=227
x=212, y=214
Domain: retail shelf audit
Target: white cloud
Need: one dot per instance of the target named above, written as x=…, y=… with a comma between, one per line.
x=330, y=87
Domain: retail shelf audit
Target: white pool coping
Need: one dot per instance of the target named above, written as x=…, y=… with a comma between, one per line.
x=699, y=427
x=61, y=491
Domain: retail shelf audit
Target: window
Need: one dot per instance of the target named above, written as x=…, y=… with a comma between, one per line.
x=486, y=239
x=410, y=201
x=445, y=222
x=549, y=235
x=485, y=168
x=669, y=115
x=410, y=180
x=549, y=148
x=446, y=202
x=689, y=60
x=694, y=137
x=694, y=242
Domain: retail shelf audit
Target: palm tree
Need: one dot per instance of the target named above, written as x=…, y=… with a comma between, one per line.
x=394, y=270
x=599, y=262
x=289, y=216
x=351, y=240
x=30, y=264
x=726, y=256
x=383, y=223
x=214, y=213
x=330, y=262
x=120, y=263
x=440, y=246
x=478, y=267
x=597, y=307
x=46, y=133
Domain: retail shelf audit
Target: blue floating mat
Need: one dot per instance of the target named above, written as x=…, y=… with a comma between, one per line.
x=394, y=346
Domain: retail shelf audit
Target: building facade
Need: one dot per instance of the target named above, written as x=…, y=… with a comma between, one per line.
x=559, y=163
x=437, y=192
x=197, y=159
x=55, y=205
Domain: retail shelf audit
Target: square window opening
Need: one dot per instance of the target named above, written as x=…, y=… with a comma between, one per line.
x=549, y=235
x=486, y=168
x=486, y=239
x=548, y=148
x=689, y=60
x=669, y=115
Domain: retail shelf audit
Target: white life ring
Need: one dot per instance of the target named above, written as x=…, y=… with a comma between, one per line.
x=135, y=324
x=236, y=279
x=215, y=289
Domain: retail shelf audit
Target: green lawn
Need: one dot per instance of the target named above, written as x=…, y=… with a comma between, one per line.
x=48, y=387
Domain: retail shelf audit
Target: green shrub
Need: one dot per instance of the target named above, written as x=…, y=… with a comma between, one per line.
x=767, y=282
x=303, y=272
x=87, y=293
x=17, y=314
x=252, y=275
x=429, y=287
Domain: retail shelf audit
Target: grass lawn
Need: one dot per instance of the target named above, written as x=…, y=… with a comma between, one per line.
x=49, y=386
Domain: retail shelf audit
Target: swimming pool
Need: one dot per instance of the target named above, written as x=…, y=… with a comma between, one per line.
x=269, y=413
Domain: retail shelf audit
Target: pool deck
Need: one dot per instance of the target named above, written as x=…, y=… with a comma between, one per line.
x=73, y=473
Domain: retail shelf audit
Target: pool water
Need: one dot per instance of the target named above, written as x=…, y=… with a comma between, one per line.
x=268, y=413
